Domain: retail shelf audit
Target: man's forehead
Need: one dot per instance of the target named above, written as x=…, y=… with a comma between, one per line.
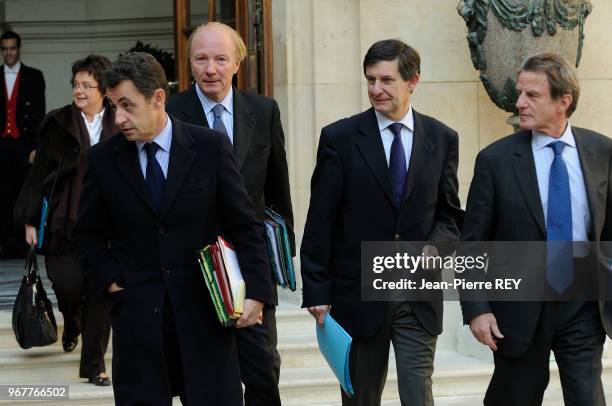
x=383, y=68
x=213, y=37
x=123, y=90
x=9, y=43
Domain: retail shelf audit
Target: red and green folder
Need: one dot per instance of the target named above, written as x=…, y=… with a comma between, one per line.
x=219, y=265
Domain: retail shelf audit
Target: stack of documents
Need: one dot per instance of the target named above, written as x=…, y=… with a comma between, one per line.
x=279, y=250
x=223, y=278
x=335, y=345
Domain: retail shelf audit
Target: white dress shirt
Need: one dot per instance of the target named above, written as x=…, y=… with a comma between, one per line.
x=164, y=140
x=387, y=135
x=228, y=113
x=10, y=76
x=543, y=157
x=94, y=128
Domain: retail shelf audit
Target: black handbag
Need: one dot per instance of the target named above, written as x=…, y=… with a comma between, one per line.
x=33, y=320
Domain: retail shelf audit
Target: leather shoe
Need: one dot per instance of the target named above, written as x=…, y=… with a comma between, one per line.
x=69, y=343
x=99, y=381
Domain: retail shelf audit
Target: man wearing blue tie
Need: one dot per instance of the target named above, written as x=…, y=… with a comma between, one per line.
x=548, y=182
x=386, y=174
x=252, y=124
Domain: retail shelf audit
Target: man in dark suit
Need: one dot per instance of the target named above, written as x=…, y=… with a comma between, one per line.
x=252, y=123
x=548, y=182
x=154, y=195
x=22, y=107
x=386, y=174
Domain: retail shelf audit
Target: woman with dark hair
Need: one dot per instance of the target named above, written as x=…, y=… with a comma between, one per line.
x=57, y=173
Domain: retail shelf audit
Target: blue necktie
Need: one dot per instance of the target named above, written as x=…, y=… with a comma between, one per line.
x=218, y=121
x=397, y=163
x=559, y=273
x=155, y=176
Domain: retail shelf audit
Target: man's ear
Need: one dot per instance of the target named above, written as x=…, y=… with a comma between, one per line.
x=159, y=97
x=566, y=101
x=413, y=82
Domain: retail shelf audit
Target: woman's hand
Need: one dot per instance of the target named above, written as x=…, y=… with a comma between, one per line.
x=30, y=235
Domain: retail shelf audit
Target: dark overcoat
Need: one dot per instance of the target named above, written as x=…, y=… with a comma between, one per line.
x=122, y=239
x=61, y=155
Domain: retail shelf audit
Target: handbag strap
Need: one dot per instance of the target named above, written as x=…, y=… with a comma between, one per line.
x=31, y=265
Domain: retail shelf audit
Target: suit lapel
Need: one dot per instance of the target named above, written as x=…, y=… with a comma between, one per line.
x=595, y=176
x=371, y=147
x=24, y=79
x=422, y=149
x=525, y=173
x=244, y=125
x=192, y=110
x=126, y=158
x=2, y=91
x=181, y=160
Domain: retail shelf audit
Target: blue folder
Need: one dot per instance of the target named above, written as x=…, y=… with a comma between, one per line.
x=43, y=222
x=335, y=345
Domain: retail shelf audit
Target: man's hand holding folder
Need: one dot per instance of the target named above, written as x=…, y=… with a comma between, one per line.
x=251, y=313
x=319, y=312
x=223, y=278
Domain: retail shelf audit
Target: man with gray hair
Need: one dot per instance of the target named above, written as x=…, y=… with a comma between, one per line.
x=154, y=195
x=252, y=124
x=548, y=182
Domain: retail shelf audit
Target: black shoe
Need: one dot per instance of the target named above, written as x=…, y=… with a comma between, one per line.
x=99, y=381
x=69, y=343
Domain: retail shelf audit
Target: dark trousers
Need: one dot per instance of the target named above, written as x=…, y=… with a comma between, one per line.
x=259, y=360
x=85, y=311
x=414, y=355
x=573, y=331
x=13, y=171
x=172, y=354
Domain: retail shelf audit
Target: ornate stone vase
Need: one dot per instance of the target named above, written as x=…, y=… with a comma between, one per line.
x=503, y=33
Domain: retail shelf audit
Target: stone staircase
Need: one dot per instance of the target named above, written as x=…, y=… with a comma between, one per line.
x=459, y=380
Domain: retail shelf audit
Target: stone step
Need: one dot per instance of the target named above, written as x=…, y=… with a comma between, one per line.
x=80, y=394
x=454, y=383
x=42, y=364
x=453, y=374
x=305, y=377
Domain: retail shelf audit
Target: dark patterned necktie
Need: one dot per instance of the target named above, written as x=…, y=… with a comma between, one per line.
x=154, y=175
x=397, y=163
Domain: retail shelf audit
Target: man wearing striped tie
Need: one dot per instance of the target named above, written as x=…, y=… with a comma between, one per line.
x=548, y=182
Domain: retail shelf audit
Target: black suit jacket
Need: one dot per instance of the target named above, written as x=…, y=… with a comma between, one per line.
x=30, y=103
x=121, y=238
x=351, y=202
x=504, y=205
x=259, y=146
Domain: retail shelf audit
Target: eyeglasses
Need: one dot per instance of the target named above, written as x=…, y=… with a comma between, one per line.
x=85, y=86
